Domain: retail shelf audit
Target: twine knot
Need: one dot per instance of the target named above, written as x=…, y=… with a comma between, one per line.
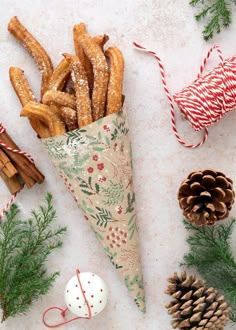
x=2, y=128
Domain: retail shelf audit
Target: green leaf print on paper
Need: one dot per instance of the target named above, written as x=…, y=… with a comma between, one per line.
x=121, y=128
x=112, y=256
x=87, y=187
x=74, y=137
x=56, y=150
x=131, y=283
x=107, y=141
x=131, y=201
x=113, y=194
x=114, y=135
x=76, y=167
x=140, y=299
x=132, y=226
x=98, y=143
x=85, y=208
x=103, y=217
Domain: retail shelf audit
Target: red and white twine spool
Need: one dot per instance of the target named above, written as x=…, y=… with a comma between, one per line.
x=11, y=200
x=207, y=99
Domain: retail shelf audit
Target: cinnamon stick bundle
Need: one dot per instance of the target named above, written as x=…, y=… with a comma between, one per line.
x=15, y=168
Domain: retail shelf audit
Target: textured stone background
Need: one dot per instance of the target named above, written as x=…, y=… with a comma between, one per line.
x=160, y=162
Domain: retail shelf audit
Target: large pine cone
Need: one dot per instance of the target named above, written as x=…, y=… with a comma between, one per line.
x=206, y=197
x=195, y=306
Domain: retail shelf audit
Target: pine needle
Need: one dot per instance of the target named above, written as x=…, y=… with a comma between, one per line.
x=217, y=13
x=24, y=249
x=211, y=254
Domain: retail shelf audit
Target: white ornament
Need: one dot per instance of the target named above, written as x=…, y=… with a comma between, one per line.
x=95, y=292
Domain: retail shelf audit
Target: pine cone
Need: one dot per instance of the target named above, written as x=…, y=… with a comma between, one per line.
x=206, y=197
x=195, y=306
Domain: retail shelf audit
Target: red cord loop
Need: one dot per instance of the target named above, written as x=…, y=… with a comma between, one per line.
x=63, y=311
x=207, y=99
x=2, y=128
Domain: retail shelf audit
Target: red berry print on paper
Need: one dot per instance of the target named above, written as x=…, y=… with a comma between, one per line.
x=102, y=179
x=115, y=146
x=95, y=158
x=119, y=209
x=117, y=237
x=90, y=169
x=100, y=166
x=106, y=128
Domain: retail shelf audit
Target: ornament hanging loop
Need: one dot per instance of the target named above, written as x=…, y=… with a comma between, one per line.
x=63, y=311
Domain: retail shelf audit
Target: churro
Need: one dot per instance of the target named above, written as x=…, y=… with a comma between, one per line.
x=34, y=48
x=100, y=72
x=44, y=113
x=78, y=30
x=21, y=85
x=59, y=75
x=100, y=40
x=83, y=103
x=114, y=93
x=25, y=95
x=69, y=116
x=59, y=98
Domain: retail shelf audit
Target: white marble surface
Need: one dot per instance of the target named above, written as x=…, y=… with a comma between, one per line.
x=160, y=162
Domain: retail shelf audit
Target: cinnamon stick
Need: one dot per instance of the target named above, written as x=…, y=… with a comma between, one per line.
x=29, y=182
x=20, y=160
x=13, y=184
x=6, y=165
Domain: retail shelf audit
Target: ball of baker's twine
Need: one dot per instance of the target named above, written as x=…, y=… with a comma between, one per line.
x=207, y=99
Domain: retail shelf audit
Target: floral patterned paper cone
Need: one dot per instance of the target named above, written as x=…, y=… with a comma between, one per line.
x=95, y=163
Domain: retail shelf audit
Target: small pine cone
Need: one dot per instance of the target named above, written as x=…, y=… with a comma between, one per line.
x=194, y=306
x=206, y=197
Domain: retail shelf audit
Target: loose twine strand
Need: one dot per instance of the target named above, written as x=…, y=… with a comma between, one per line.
x=11, y=200
x=207, y=99
x=63, y=311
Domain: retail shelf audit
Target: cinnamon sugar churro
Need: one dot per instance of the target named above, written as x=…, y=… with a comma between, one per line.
x=34, y=48
x=100, y=71
x=78, y=30
x=43, y=113
x=59, y=98
x=21, y=85
x=70, y=118
x=100, y=40
x=25, y=95
x=83, y=103
x=59, y=76
x=114, y=93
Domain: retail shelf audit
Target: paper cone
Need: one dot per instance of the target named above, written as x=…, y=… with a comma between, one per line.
x=95, y=163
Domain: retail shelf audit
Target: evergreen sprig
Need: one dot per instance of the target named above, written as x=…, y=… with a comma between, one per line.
x=24, y=249
x=211, y=254
x=218, y=14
